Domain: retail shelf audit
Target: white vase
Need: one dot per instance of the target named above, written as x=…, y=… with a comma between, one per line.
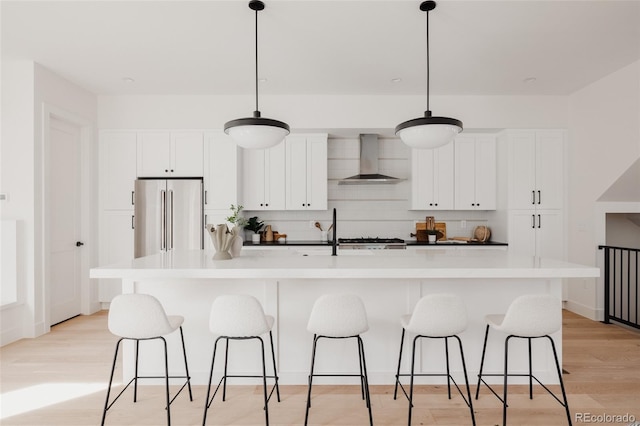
x=255, y=238
x=222, y=239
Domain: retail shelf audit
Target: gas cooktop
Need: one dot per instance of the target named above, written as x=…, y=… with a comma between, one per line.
x=372, y=243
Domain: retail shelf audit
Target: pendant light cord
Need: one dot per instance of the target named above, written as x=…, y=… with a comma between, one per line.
x=428, y=72
x=257, y=111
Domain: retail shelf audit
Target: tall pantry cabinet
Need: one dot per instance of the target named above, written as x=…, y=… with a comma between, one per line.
x=536, y=191
x=116, y=175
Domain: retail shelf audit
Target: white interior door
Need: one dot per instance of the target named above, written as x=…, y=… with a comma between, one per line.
x=64, y=232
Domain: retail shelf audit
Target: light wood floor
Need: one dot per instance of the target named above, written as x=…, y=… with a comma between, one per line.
x=60, y=379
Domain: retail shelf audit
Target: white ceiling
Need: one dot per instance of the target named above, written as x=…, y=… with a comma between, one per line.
x=325, y=47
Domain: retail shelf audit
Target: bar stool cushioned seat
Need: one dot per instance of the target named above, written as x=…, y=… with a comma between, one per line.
x=240, y=317
x=142, y=317
x=528, y=317
x=436, y=316
x=339, y=316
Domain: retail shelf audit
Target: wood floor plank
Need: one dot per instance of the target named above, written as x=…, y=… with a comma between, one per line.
x=60, y=379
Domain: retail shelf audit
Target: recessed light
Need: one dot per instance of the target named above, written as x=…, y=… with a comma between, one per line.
x=529, y=80
x=128, y=80
x=396, y=80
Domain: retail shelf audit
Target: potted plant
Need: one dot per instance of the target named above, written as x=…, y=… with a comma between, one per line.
x=254, y=224
x=236, y=219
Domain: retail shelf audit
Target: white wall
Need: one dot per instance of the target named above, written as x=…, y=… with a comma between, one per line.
x=330, y=112
x=17, y=181
x=28, y=91
x=604, y=141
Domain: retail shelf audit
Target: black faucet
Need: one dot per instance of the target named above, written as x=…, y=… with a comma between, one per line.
x=334, y=245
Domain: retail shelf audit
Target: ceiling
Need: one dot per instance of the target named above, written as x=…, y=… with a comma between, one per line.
x=325, y=47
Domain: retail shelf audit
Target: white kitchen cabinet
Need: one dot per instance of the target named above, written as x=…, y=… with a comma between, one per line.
x=306, y=172
x=432, y=178
x=116, y=245
x=475, y=173
x=263, y=178
x=170, y=154
x=536, y=169
x=537, y=233
x=220, y=171
x=117, y=169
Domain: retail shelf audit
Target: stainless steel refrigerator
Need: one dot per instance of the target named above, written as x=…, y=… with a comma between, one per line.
x=168, y=215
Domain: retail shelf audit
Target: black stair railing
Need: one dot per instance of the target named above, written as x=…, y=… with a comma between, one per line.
x=621, y=299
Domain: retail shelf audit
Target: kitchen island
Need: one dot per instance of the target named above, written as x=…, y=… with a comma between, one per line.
x=390, y=282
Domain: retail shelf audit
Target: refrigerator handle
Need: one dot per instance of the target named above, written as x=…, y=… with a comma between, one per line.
x=171, y=219
x=163, y=220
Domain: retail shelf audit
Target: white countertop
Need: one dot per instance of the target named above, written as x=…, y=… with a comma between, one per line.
x=309, y=263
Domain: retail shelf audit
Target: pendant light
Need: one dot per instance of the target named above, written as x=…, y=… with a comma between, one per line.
x=428, y=132
x=256, y=132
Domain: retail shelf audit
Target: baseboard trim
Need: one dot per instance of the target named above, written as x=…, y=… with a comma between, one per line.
x=585, y=311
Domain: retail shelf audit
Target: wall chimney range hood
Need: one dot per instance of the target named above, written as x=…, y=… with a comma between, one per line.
x=369, y=165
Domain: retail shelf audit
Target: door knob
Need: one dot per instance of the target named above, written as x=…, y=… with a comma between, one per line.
x=79, y=243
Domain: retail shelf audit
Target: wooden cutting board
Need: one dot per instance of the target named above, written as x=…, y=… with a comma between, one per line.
x=441, y=227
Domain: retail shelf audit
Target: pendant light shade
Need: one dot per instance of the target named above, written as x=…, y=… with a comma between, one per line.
x=256, y=132
x=428, y=132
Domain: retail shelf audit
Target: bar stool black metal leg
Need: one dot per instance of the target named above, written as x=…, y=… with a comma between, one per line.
x=446, y=352
x=313, y=358
x=506, y=376
x=395, y=390
x=224, y=378
x=530, y=371
x=466, y=380
x=113, y=369
x=207, y=403
x=166, y=380
x=413, y=362
x=361, y=375
x=484, y=351
x=264, y=383
x=135, y=378
x=559, y=370
x=186, y=366
x=275, y=369
x=366, y=380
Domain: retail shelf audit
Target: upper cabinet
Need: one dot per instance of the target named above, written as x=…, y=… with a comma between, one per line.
x=536, y=169
x=170, y=154
x=220, y=171
x=306, y=172
x=263, y=178
x=432, y=178
x=117, y=159
x=475, y=172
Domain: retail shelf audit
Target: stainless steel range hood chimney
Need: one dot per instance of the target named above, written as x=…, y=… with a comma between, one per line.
x=369, y=165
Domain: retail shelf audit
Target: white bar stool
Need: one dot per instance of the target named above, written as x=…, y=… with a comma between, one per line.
x=436, y=316
x=240, y=317
x=528, y=317
x=141, y=317
x=339, y=316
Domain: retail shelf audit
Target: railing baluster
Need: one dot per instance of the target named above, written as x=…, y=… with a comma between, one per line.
x=619, y=276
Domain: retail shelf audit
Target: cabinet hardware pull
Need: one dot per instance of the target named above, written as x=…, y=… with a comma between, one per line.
x=132, y=222
x=539, y=197
x=166, y=170
x=539, y=222
x=205, y=197
x=132, y=200
x=533, y=221
x=533, y=197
